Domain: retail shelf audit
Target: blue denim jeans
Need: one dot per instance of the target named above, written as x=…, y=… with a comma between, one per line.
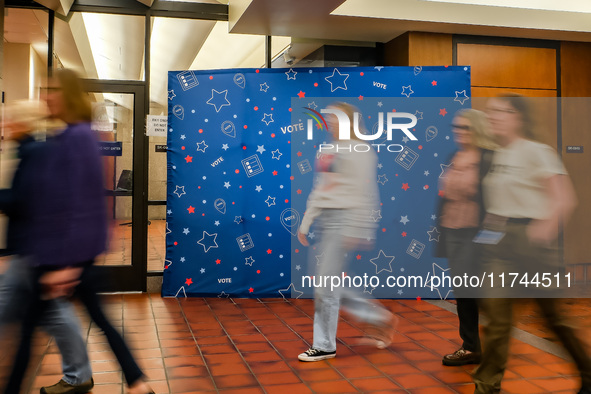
x=331, y=258
x=58, y=319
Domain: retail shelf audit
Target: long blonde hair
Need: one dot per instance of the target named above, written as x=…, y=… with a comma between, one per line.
x=76, y=100
x=479, y=127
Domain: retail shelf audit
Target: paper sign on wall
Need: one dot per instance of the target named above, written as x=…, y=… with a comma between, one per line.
x=156, y=125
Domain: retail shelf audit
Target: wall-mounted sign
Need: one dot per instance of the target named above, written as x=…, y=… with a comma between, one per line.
x=160, y=148
x=574, y=149
x=156, y=125
x=111, y=148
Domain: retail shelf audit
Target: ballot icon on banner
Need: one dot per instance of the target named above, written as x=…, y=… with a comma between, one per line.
x=407, y=158
x=290, y=220
x=304, y=166
x=220, y=205
x=188, y=80
x=229, y=129
x=252, y=165
x=415, y=249
x=245, y=242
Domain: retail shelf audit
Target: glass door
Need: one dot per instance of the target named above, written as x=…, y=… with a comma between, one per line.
x=118, y=119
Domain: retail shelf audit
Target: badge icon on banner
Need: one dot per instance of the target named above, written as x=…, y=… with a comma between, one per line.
x=178, y=111
x=252, y=165
x=240, y=80
x=220, y=205
x=290, y=220
x=431, y=133
x=229, y=129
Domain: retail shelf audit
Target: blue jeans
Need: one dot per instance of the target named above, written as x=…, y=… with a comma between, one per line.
x=334, y=260
x=57, y=317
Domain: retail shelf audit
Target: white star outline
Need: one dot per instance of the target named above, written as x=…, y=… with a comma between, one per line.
x=461, y=99
x=270, y=116
x=429, y=281
x=407, y=94
x=290, y=288
x=179, y=188
x=206, y=234
x=291, y=74
x=434, y=234
x=332, y=88
x=225, y=93
x=381, y=252
x=276, y=152
x=202, y=149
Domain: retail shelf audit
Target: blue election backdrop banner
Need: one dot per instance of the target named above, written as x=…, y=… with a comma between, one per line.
x=241, y=166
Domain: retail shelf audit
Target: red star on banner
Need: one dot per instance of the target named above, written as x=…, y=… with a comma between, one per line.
x=191, y=209
x=218, y=261
x=269, y=251
x=405, y=186
x=440, y=194
x=434, y=83
x=442, y=112
x=418, y=298
x=189, y=282
x=318, y=125
x=404, y=234
x=360, y=97
x=358, y=257
x=250, y=290
x=274, y=173
x=301, y=94
x=299, y=154
x=299, y=191
x=189, y=159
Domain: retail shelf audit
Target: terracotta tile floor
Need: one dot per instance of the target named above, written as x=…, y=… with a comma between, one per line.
x=251, y=346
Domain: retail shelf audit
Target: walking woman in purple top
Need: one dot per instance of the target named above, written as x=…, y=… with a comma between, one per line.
x=72, y=232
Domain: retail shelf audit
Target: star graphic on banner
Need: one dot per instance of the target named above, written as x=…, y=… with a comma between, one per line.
x=225, y=147
x=183, y=137
x=223, y=294
x=301, y=94
x=218, y=261
x=400, y=292
x=434, y=83
x=191, y=209
x=382, y=262
x=404, y=234
x=217, y=223
x=444, y=168
x=169, y=212
x=181, y=290
x=202, y=270
x=267, y=118
x=249, y=260
x=337, y=80
x=311, y=235
x=179, y=191
x=376, y=215
x=286, y=293
x=404, y=219
x=426, y=173
x=258, y=188
x=428, y=283
x=379, y=68
x=298, y=267
x=208, y=241
x=380, y=104
x=406, y=92
x=274, y=173
x=368, y=291
x=434, y=234
x=442, y=112
x=405, y=186
x=201, y=146
x=433, y=217
x=382, y=179
x=380, y=166
x=238, y=219
x=189, y=159
x=405, y=139
x=270, y=201
x=261, y=149
x=264, y=87
x=189, y=282
x=461, y=99
x=312, y=105
x=319, y=258
x=277, y=154
x=217, y=100
x=418, y=114
x=227, y=185
x=291, y=74
x=171, y=94
x=186, y=231
x=168, y=231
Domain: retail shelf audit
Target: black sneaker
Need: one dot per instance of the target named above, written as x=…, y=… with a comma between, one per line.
x=316, y=355
x=62, y=387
